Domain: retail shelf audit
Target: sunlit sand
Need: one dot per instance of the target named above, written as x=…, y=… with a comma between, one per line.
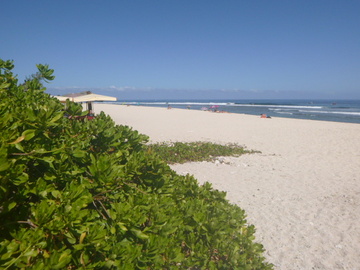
x=302, y=192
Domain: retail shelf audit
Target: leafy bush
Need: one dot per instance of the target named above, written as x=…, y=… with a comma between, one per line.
x=179, y=152
x=88, y=195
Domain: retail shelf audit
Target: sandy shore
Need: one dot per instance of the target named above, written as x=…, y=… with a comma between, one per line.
x=302, y=192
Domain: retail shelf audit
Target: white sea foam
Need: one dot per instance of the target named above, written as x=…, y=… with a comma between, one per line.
x=270, y=106
x=279, y=106
x=332, y=112
x=181, y=103
x=279, y=109
x=282, y=112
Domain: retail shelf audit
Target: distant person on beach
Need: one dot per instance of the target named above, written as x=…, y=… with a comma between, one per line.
x=265, y=116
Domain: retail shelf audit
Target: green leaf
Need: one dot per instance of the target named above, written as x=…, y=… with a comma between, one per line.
x=79, y=153
x=139, y=234
x=64, y=259
x=122, y=226
x=31, y=253
x=5, y=85
x=28, y=134
x=57, y=117
x=11, y=205
x=56, y=193
x=4, y=165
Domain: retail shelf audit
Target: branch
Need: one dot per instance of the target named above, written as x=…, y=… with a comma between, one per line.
x=29, y=223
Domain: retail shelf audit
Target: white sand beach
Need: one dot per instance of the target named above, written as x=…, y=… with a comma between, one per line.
x=302, y=192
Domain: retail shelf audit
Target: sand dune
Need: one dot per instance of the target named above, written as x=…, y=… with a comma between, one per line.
x=302, y=192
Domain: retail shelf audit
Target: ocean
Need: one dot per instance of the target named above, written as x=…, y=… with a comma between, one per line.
x=347, y=111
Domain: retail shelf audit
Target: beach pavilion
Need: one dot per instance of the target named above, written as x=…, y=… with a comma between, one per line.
x=85, y=97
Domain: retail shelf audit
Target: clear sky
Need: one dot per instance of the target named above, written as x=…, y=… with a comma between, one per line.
x=188, y=49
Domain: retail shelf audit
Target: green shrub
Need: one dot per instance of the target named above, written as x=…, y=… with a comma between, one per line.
x=179, y=152
x=88, y=195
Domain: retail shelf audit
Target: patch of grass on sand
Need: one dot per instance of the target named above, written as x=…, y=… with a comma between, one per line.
x=180, y=152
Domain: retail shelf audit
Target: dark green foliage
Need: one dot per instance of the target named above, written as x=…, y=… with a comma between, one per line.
x=88, y=195
x=179, y=152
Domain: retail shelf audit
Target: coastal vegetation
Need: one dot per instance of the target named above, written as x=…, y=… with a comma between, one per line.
x=181, y=152
x=88, y=194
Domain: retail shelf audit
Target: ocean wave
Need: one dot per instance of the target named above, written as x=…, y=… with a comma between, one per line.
x=280, y=106
x=180, y=103
x=177, y=103
x=199, y=103
x=280, y=109
x=331, y=112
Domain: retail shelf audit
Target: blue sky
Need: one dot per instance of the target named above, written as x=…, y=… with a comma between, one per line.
x=188, y=49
